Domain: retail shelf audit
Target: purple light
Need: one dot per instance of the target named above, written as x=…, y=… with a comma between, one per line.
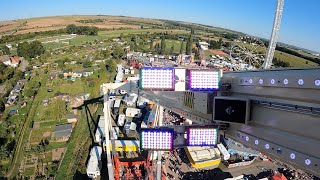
x=317, y=82
x=156, y=139
x=247, y=138
x=204, y=80
x=202, y=136
x=256, y=142
x=157, y=78
x=285, y=81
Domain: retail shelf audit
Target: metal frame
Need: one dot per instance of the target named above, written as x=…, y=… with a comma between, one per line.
x=274, y=35
x=247, y=118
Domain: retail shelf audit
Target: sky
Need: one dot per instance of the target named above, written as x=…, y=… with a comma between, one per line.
x=300, y=22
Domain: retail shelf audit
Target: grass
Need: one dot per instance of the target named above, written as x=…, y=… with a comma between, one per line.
x=80, y=133
x=114, y=33
x=56, y=145
x=52, y=123
x=293, y=60
x=47, y=157
x=176, y=44
x=37, y=134
x=29, y=171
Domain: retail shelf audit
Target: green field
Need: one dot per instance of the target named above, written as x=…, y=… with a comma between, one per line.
x=37, y=134
x=293, y=60
x=52, y=123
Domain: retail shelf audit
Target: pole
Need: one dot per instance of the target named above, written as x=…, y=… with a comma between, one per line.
x=106, y=113
x=159, y=152
x=274, y=35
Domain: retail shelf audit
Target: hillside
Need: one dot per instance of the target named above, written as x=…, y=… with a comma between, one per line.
x=59, y=22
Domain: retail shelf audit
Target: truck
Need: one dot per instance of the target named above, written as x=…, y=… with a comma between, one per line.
x=121, y=119
x=116, y=106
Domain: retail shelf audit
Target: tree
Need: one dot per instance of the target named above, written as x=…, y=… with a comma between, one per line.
x=307, y=62
x=163, y=45
x=118, y=53
x=171, y=50
x=189, y=45
x=2, y=106
x=220, y=43
x=30, y=50
x=141, y=27
x=196, y=53
x=5, y=50
x=151, y=45
x=157, y=48
x=87, y=64
x=110, y=66
x=192, y=31
x=181, y=47
x=60, y=76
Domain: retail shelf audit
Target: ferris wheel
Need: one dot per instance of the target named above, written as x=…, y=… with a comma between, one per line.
x=248, y=50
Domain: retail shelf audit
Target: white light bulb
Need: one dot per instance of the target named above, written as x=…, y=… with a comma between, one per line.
x=300, y=82
x=317, y=82
x=267, y=146
x=272, y=81
x=307, y=161
x=260, y=81
x=292, y=156
x=285, y=81
x=256, y=142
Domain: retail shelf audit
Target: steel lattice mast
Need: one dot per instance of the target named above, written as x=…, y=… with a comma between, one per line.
x=274, y=36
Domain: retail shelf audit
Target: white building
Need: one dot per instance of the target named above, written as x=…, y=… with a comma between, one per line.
x=204, y=45
x=133, y=112
x=94, y=164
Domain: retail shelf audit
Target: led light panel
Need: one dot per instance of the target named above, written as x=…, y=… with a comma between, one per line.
x=202, y=136
x=204, y=80
x=156, y=78
x=156, y=139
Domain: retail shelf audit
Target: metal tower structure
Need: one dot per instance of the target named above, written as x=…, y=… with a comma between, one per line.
x=274, y=35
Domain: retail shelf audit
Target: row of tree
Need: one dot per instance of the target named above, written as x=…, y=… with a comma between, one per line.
x=82, y=30
x=19, y=37
x=295, y=53
x=215, y=44
x=30, y=50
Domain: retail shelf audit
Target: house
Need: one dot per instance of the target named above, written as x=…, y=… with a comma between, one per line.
x=14, y=61
x=99, y=60
x=72, y=118
x=12, y=99
x=87, y=73
x=17, y=88
x=55, y=75
x=77, y=74
x=5, y=59
x=204, y=45
x=23, y=81
x=45, y=102
x=27, y=73
x=62, y=132
x=9, y=46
